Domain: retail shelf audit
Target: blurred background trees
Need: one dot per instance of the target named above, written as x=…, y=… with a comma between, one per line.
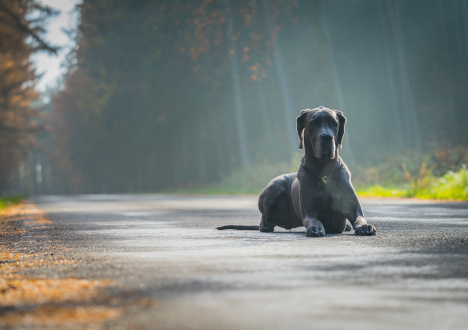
x=21, y=34
x=166, y=94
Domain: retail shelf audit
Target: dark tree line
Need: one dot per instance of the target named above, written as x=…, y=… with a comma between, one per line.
x=162, y=94
x=21, y=34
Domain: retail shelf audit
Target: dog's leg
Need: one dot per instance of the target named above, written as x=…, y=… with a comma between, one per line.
x=362, y=228
x=353, y=211
x=270, y=203
x=314, y=228
x=265, y=225
x=308, y=206
x=360, y=225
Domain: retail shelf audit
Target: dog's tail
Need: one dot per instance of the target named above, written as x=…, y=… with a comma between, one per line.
x=238, y=227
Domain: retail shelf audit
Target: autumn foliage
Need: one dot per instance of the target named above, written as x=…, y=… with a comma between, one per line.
x=148, y=103
x=178, y=93
x=18, y=120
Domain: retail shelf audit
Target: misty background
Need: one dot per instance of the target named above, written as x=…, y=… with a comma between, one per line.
x=162, y=95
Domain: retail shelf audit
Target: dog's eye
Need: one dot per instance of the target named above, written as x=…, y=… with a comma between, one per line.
x=334, y=123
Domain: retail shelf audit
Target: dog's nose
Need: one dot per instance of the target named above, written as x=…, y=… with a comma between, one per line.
x=327, y=138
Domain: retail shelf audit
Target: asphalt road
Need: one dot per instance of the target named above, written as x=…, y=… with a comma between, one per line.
x=412, y=275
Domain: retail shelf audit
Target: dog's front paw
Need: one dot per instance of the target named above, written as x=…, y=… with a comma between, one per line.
x=266, y=227
x=315, y=231
x=365, y=230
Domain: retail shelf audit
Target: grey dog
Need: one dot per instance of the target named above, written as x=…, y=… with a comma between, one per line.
x=320, y=195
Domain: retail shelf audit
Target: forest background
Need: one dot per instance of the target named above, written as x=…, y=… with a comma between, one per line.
x=202, y=95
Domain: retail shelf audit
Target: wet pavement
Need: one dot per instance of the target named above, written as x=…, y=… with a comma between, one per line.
x=163, y=248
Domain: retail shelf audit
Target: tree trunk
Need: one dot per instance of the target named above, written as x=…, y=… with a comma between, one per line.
x=236, y=86
x=406, y=90
x=390, y=76
x=289, y=110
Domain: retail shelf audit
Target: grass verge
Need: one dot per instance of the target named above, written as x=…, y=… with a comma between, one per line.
x=12, y=200
x=451, y=186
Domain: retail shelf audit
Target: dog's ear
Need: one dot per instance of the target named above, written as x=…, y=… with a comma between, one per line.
x=300, y=123
x=341, y=130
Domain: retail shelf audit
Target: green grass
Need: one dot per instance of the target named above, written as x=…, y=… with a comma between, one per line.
x=12, y=200
x=380, y=191
x=451, y=186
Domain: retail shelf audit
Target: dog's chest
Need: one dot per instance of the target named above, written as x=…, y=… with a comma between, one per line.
x=323, y=196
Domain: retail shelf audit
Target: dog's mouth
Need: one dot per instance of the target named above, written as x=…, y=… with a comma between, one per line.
x=325, y=149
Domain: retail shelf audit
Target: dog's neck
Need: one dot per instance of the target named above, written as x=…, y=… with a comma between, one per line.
x=320, y=166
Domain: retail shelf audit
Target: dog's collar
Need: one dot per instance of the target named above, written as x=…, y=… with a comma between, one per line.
x=325, y=178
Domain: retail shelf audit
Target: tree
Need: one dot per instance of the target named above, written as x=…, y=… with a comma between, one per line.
x=180, y=93
x=19, y=20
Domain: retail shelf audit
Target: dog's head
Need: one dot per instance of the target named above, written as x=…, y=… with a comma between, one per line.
x=321, y=130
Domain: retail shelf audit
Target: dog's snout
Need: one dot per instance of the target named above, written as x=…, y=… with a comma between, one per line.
x=326, y=138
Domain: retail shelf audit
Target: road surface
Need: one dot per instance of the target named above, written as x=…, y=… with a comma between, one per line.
x=171, y=269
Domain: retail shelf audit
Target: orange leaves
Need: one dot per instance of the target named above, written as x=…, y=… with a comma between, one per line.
x=50, y=301
x=245, y=56
x=249, y=15
x=205, y=31
x=193, y=53
x=207, y=23
x=258, y=72
x=62, y=316
x=22, y=290
x=17, y=118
